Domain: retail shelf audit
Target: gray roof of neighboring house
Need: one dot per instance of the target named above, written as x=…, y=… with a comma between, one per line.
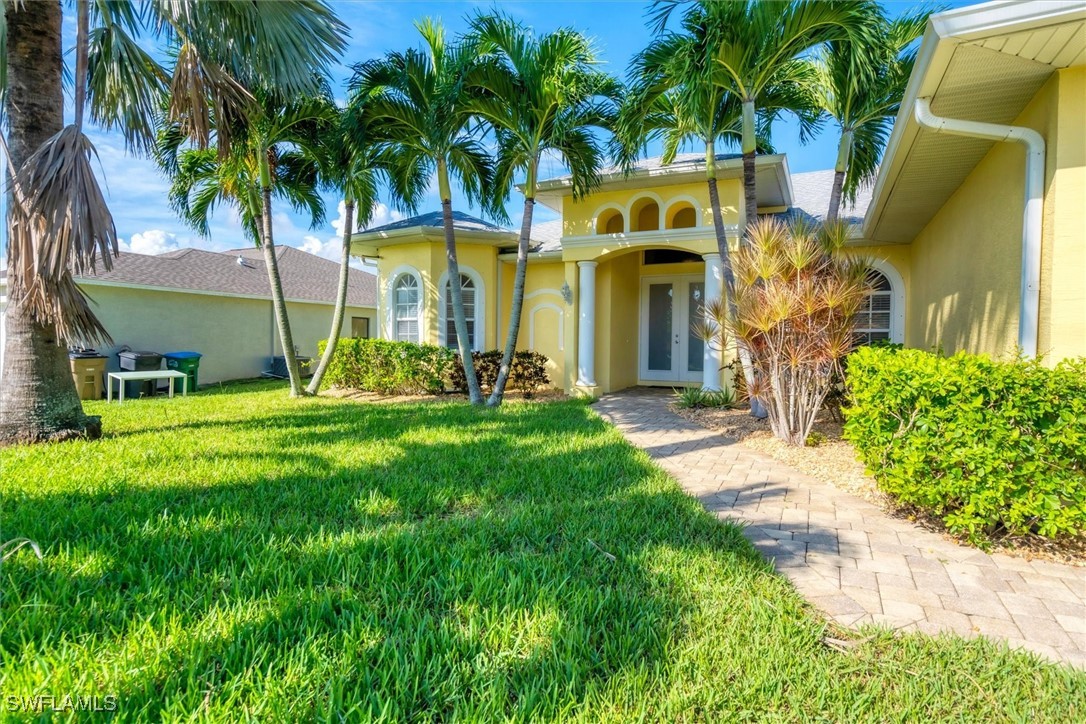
x=462, y=221
x=811, y=198
x=305, y=276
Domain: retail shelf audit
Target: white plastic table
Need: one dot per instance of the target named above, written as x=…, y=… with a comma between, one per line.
x=122, y=377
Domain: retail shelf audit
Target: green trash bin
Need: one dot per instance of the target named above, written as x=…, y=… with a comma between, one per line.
x=187, y=362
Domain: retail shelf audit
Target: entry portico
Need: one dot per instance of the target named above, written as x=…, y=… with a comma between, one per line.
x=641, y=261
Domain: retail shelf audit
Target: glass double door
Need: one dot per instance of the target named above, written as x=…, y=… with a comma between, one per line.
x=671, y=348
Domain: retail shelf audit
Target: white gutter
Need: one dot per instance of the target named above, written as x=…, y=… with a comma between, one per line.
x=1030, y=291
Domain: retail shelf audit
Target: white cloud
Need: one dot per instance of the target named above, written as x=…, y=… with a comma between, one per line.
x=152, y=241
x=332, y=246
x=381, y=215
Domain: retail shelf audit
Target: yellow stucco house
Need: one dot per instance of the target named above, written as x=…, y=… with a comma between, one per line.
x=976, y=223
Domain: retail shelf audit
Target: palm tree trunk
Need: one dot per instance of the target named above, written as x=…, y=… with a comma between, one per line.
x=267, y=244
x=38, y=399
x=341, y=299
x=460, y=322
x=750, y=191
x=844, y=150
x=727, y=271
x=518, y=294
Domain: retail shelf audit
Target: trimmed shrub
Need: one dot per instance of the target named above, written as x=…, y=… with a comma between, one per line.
x=389, y=368
x=528, y=373
x=990, y=447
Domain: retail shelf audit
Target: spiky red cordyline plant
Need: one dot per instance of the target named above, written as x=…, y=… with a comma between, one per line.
x=796, y=298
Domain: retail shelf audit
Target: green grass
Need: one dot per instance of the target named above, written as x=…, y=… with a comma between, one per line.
x=239, y=555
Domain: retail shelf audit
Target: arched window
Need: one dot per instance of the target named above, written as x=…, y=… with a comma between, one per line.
x=467, y=285
x=873, y=321
x=405, y=308
x=610, y=221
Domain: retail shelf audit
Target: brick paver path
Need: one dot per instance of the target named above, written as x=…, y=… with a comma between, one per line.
x=847, y=557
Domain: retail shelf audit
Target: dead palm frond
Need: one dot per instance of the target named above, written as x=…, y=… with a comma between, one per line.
x=61, y=226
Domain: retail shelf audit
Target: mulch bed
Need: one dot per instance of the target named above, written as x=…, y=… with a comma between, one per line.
x=835, y=462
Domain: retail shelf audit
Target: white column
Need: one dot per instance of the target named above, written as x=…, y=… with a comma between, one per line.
x=586, y=328
x=714, y=358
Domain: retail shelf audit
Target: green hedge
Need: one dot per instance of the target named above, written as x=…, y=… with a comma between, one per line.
x=528, y=373
x=990, y=447
x=390, y=368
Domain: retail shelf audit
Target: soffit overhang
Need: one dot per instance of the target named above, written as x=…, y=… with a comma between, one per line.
x=982, y=63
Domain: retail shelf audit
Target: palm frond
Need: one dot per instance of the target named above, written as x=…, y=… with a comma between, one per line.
x=60, y=226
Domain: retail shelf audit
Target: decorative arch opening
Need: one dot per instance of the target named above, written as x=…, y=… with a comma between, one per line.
x=645, y=215
x=610, y=221
x=681, y=215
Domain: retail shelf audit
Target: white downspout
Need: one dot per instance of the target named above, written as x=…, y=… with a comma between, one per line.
x=1030, y=292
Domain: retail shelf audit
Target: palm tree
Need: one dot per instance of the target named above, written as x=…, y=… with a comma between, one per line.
x=353, y=164
x=59, y=225
x=541, y=96
x=861, y=89
x=758, y=47
x=677, y=96
x=417, y=104
x=273, y=151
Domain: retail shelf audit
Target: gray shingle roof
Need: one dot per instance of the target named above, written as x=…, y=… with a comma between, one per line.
x=462, y=221
x=811, y=197
x=305, y=276
x=680, y=161
x=547, y=236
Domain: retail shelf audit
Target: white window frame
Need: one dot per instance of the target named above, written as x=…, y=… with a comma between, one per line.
x=897, y=299
x=390, y=302
x=480, y=308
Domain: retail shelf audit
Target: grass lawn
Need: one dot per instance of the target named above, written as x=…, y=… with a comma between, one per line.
x=238, y=554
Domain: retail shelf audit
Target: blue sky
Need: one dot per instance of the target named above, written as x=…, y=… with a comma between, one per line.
x=136, y=190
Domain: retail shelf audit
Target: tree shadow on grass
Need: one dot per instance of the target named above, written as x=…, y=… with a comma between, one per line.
x=420, y=561
x=426, y=562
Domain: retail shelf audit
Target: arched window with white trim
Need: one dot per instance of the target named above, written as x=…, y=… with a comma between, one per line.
x=874, y=320
x=405, y=308
x=467, y=286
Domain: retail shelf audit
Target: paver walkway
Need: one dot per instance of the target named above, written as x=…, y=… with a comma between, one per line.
x=847, y=557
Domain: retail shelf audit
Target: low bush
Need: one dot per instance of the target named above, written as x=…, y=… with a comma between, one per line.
x=389, y=368
x=991, y=447
x=528, y=373
x=693, y=398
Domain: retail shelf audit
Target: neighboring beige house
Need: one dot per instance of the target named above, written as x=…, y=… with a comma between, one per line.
x=219, y=304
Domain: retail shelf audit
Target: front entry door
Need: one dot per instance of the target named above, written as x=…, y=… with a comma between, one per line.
x=671, y=350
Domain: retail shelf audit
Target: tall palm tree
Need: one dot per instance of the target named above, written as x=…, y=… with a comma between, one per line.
x=759, y=47
x=417, y=104
x=861, y=89
x=541, y=95
x=59, y=224
x=353, y=164
x=677, y=95
x=274, y=152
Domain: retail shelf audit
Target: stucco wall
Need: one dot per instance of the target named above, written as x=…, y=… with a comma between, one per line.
x=579, y=216
x=1063, y=255
x=544, y=316
x=235, y=335
x=966, y=263
x=427, y=259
